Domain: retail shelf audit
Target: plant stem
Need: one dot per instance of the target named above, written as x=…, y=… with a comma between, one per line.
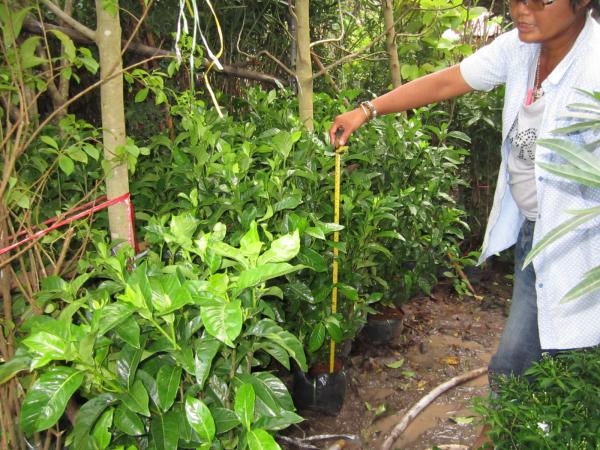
x=165, y=334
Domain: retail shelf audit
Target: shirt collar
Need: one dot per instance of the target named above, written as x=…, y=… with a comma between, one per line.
x=559, y=71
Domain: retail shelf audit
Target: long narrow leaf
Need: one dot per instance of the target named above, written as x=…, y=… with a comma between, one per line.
x=573, y=153
x=556, y=234
x=580, y=114
x=577, y=127
x=572, y=173
x=590, y=283
x=584, y=107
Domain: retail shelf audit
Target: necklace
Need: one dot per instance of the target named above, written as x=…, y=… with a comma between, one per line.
x=536, y=92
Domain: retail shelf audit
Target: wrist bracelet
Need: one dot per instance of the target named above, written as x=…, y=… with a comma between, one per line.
x=366, y=110
x=367, y=105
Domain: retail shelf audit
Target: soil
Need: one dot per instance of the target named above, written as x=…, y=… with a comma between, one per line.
x=442, y=336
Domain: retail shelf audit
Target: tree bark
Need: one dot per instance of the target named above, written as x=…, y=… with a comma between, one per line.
x=390, y=39
x=108, y=39
x=304, y=65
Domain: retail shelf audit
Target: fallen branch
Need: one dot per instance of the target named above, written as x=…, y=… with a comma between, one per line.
x=296, y=442
x=425, y=401
x=304, y=442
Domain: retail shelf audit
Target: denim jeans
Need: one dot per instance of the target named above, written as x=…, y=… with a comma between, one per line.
x=519, y=345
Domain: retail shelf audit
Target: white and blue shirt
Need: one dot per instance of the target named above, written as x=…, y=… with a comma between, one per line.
x=564, y=264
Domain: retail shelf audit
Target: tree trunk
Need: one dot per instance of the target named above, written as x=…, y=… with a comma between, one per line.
x=108, y=39
x=304, y=65
x=390, y=38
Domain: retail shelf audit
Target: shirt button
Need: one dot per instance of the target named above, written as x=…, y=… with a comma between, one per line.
x=541, y=285
x=540, y=178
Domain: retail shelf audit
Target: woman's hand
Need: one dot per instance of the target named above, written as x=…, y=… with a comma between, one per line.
x=345, y=124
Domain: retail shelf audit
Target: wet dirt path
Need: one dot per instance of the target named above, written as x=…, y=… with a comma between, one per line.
x=443, y=336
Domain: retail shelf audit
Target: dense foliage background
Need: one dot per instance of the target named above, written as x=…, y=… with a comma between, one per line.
x=177, y=346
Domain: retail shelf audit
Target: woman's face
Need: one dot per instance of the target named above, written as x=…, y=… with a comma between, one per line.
x=554, y=22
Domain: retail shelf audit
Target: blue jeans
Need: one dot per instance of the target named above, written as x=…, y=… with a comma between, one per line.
x=519, y=346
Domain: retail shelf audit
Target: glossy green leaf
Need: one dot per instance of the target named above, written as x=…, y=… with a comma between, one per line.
x=334, y=329
x=244, y=404
x=113, y=315
x=315, y=232
x=282, y=249
x=225, y=419
x=136, y=399
x=348, y=291
x=167, y=383
x=260, y=274
x=150, y=384
x=127, y=363
x=298, y=291
x=313, y=260
x=224, y=250
x=164, y=431
x=276, y=351
x=86, y=418
x=49, y=346
x=206, y=350
x=261, y=440
x=200, y=418
x=270, y=330
x=184, y=358
x=224, y=322
x=182, y=228
x=128, y=422
x=101, y=434
x=271, y=394
x=250, y=243
x=317, y=337
x=129, y=331
x=283, y=420
x=139, y=279
x=13, y=366
x=47, y=398
x=289, y=202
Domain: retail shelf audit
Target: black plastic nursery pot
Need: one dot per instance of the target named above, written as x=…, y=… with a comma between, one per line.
x=383, y=327
x=320, y=391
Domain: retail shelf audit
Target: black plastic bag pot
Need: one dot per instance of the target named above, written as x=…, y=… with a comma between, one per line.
x=319, y=390
x=384, y=327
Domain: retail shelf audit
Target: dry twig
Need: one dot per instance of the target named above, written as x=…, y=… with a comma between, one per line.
x=425, y=401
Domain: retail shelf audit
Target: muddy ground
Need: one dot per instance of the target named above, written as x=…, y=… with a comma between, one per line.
x=443, y=336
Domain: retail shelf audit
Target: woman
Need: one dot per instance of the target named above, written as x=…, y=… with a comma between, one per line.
x=552, y=50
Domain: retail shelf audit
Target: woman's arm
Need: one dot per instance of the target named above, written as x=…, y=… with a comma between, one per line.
x=431, y=88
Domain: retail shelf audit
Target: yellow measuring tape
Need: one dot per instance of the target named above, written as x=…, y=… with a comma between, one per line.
x=336, y=239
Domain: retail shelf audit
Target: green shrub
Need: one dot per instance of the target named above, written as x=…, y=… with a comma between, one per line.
x=163, y=355
x=556, y=407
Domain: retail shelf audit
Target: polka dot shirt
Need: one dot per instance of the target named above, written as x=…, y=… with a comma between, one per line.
x=563, y=265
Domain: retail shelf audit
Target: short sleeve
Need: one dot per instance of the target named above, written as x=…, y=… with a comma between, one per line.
x=488, y=67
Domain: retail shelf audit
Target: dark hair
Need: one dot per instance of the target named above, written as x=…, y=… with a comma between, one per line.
x=594, y=5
